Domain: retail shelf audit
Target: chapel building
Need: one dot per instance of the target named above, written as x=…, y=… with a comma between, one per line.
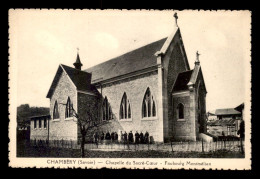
x=148, y=89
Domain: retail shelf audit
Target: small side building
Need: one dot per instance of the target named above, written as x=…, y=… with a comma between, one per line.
x=227, y=122
x=39, y=127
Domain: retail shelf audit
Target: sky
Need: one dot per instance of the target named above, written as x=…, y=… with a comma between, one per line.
x=40, y=40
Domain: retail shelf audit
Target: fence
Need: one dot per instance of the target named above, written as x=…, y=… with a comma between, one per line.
x=181, y=146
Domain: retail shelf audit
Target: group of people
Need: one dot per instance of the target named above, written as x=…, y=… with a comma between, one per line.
x=122, y=137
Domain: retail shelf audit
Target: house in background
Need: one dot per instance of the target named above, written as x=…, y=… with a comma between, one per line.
x=240, y=108
x=211, y=116
x=39, y=127
x=227, y=122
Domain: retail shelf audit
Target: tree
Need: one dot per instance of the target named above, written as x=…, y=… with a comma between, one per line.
x=86, y=124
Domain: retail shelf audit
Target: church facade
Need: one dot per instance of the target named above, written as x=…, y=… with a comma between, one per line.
x=148, y=89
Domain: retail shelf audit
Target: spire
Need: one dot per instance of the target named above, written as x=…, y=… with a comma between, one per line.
x=197, y=62
x=77, y=64
x=176, y=19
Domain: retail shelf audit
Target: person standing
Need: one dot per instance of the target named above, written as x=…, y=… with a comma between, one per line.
x=121, y=137
x=137, y=137
x=125, y=137
x=141, y=137
x=146, y=137
x=116, y=137
x=102, y=136
x=131, y=137
x=113, y=136
x=96, y=137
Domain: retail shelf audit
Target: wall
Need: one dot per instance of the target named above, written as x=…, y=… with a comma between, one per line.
x=173, y=64
x=135, y=89
x=62, y=128
x=217, y=130
x=183, y=129
x=200, y=98
x=39, y=133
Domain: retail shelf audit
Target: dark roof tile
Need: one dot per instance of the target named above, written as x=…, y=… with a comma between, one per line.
x=226, y=111
x=182, y=80
x=81, y=79
x=135, y=60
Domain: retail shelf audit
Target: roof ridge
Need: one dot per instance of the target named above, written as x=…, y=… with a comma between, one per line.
x=126, y=53
x=74, y=68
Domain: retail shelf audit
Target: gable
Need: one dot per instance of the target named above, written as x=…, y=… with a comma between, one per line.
x=200, y=78
x=172, y=44
x=79, y=79
x=139, y=59
x=54, y=82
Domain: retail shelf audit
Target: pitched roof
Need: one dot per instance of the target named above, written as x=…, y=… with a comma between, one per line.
x=79, y=78
x=195, y=74
x=240, y=107
x=222, y=122
x=182, y=80
x=135, y=60
x=226, y=111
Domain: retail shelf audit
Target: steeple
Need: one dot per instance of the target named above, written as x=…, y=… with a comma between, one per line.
x=77, y=64
x=197, y=62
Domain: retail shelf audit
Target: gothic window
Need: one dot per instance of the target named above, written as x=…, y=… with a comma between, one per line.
x=154, y=109
x=56, y=111
x=129, y=110
x=68, y=112
x=180, y=109
x=107, y=112
x=125, y=108
x=148, y=106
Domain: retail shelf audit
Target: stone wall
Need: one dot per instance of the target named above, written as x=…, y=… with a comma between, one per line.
x=62, y=128
x=135, y=88
x=200, y=98
x=183, y=128
x=173, y=63
x=176, y=66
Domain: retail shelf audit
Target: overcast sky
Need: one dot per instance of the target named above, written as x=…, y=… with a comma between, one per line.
x=41, y=40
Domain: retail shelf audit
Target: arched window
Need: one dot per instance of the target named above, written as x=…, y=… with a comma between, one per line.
x=180, y=109
x=56, y=111
x=68, y=112
x=125, y=108
x=148, y=106
x=107, y=112
x=129, y=110
x=154, y=108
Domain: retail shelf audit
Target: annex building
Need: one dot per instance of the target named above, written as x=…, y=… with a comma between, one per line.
x=149, y=89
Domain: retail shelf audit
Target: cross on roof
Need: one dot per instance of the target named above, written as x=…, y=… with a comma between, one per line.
x=197, y=55
x=176, y=18
x=78, y=49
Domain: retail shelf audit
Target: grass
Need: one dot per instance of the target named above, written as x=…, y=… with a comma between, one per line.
x=75, y=153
